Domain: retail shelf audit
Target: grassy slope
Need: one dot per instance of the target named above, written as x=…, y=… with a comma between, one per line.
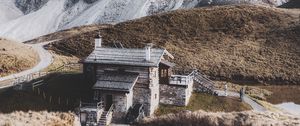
x=200, y=101
x=200, y=118
x=42, y=118
x=265, y=53
x=15, y=57
x=241, y=43
x=66, y=33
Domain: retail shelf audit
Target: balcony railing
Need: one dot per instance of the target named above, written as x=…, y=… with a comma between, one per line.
x=180, y=79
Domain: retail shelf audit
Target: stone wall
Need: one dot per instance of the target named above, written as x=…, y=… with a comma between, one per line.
x=120, y=110
x=120, y=102
x=175, y=95
x=148, y=96
x=129, y=100
x=189, y=91
x=142, y=95
x=154, y=87
x=172, y=95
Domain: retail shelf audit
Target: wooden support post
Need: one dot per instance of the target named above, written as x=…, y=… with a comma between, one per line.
x=67, y=101
x=59, y=100
x=44, y=95
x=38, y=91
x=50, y=98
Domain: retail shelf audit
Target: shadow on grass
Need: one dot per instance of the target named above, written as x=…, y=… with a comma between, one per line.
x=60, y=92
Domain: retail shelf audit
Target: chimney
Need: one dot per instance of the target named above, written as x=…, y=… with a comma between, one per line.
x=98, y=42
x=148, y=51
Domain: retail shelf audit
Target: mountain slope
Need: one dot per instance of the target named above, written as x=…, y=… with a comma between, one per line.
x=8, y=11
x=46, y=16
x=61, y=14
x=15, y=57
x=240, y=43
x=33, y=24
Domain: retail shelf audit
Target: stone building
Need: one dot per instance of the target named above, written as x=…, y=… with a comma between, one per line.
x=122, y=77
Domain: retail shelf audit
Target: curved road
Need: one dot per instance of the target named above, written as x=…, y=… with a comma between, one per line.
x=255, y=106
x=45, y=60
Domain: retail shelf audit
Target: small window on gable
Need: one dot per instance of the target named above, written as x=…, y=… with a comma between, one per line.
x=165, y=72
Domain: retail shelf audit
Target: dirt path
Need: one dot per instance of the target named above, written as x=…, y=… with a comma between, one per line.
x=255, y=106
x=45, y=60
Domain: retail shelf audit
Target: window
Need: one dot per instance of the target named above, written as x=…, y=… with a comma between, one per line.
x=164, y=72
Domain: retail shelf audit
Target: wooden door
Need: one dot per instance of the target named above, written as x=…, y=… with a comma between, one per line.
x=108, y=101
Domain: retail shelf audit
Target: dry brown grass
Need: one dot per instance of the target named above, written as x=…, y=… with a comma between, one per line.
x=32, y=118
x=15, y=57
x=239, y=43
x=201, y=118
x=63, y=34
x=60, y=60
x=206, y=102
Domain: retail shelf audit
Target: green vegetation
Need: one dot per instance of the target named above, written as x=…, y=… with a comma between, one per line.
x=208, y=103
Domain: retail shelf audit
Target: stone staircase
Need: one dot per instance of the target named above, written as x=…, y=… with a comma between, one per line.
x=103, y=119
x=106, y=117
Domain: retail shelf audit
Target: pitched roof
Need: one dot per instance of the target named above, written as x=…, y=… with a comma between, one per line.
x=165, y=62
x=126, y=56
x=116, y=81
